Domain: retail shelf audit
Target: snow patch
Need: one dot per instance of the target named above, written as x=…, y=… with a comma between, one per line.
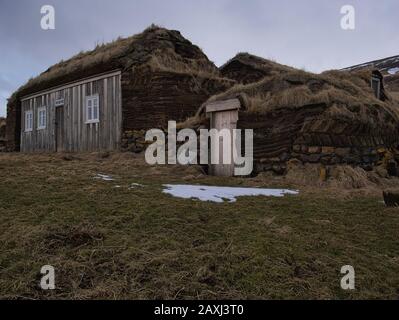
x=104, y=177
x=134, y=185
x=393, y=70
x=219, y=194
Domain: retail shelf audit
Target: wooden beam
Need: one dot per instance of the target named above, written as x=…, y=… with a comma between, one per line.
x=231, y=104
x=73, y=83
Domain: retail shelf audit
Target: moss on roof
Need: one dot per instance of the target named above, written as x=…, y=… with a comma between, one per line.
x=246, y=68
x=297, y=88
x=345, y=95
x=156, y=48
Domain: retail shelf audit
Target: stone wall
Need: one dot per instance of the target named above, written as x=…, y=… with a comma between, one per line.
x=134, y=141
x=13, y=129
x=366, y=158
x=150, y=99
x=293, y=137
x=2, y=135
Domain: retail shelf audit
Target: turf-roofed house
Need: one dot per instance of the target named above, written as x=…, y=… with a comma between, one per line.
x=107, y=98
x=336, y=117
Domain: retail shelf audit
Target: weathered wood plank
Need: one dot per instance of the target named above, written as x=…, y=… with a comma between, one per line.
x=231, y=104
x=72, y=133
x=74, y=83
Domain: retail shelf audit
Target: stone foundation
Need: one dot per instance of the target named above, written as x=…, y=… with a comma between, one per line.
x=134, y=141
x=366, y=158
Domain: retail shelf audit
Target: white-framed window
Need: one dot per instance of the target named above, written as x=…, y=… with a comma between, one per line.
x=41, y=118
x=92, y=109
x=28, y=121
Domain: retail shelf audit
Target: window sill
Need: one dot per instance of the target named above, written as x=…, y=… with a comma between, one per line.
x=29, y=130
x=92, y=121
x=41, y=128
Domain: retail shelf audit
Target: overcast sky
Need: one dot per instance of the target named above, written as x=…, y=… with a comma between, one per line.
x=301, y=33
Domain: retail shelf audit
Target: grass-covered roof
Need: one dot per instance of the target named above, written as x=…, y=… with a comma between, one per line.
x=156, y=49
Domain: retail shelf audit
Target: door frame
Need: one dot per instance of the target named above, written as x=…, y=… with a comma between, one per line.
x=213, y=110
x=58, y=125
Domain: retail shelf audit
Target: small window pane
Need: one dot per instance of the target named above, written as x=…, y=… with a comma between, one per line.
x=92, y=111
x=41, y=118
x=28, y=121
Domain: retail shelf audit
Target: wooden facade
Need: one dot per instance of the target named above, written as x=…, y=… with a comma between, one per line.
x=67, y=127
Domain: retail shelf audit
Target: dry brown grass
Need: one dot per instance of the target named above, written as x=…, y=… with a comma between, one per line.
x=267, y=66
x=169, y=61
x=395, y=95
x=298, y=88
x=152, y=49
x=346, y=95
x=121, y=243
x=342, y=180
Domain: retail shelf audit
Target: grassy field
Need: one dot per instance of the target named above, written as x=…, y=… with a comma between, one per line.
x=109, y=241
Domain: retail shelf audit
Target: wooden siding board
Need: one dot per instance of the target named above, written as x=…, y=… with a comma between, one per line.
x=70, y=84
x=108, y=113
x=83, y=127
x=113, y=111
x=79, y=114
x=119, y=119
x=103, y=117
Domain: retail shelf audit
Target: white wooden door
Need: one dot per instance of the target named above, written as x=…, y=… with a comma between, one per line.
x=224, y=120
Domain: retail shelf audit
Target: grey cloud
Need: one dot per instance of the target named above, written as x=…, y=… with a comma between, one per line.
x=304, y=34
